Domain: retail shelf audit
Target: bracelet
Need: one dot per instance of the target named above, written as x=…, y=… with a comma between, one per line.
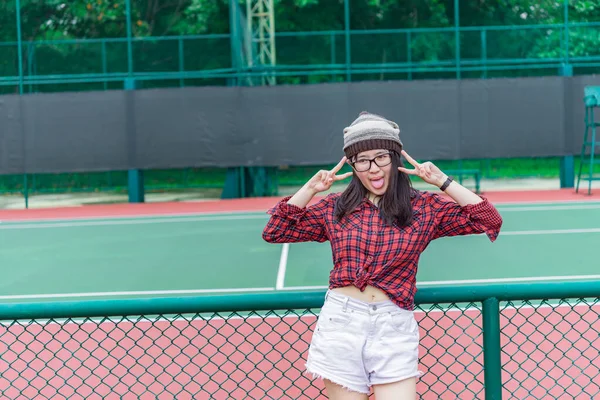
x=446, y=184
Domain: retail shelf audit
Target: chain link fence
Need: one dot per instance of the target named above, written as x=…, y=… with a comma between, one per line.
x=548, y=350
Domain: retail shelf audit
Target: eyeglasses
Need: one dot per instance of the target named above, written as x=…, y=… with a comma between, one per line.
x=364, y=164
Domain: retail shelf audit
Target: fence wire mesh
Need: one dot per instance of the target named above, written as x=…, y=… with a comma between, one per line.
x=548, y=350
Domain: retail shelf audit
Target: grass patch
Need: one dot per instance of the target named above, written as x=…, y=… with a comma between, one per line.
x=198, y=178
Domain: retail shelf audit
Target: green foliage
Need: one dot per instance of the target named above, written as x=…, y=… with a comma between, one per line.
x=51, y=21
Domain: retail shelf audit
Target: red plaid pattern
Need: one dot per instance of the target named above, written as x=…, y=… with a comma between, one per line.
x=367, y=252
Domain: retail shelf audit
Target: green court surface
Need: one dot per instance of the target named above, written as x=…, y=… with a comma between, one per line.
x=225, y=253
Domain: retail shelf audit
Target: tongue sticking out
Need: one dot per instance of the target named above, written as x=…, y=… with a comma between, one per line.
x=378, y=184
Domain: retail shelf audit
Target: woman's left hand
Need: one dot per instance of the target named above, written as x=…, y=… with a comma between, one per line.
x=426, y=171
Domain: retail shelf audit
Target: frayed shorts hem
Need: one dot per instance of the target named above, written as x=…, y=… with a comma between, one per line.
x=417, y=374
x=316, y=373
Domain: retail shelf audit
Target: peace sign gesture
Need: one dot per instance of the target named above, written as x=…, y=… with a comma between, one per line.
x=323, y=179
x=426, y=171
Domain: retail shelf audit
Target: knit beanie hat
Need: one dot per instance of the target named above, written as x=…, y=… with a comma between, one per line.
x=371, y=131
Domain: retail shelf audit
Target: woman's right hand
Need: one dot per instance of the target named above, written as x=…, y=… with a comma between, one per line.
x=323, y=180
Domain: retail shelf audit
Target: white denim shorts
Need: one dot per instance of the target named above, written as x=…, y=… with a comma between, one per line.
x=357, y=344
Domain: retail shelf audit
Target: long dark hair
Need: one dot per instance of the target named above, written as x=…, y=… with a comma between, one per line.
x=395, y=204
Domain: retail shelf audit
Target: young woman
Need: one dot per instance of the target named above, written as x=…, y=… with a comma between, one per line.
x=366, y=337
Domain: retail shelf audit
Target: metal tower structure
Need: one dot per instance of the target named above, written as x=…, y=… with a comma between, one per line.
x=252, y=51
x=260, y=40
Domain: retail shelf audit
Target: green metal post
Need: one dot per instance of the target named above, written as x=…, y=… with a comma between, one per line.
x=130, y=84
x=566, y=69
x=235, y=42
x=592, y=150
x=135, y=177
x=347, y=36
x=566, y=30
x=233, y=34
x=181, y=61
x=231, y=187
x=104, y=63
x=484, y=52
x=129, y=38
x=567, y=171
x=332, y=52
x=20, y=69
x=491, y=349
x=30, y=66
x=243, y=190
x=20, y=46
x=409, y=54
x=26, y=190
x=135, y=185
x=567, y=163
x=457, y=36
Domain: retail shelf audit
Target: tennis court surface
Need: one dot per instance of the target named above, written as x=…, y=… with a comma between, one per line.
x=191, y=249
x=175, y=251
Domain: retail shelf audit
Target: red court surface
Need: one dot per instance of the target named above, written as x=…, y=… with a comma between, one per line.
x=248, y=205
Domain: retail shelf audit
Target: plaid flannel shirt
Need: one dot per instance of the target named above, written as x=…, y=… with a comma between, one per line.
x=367, y=252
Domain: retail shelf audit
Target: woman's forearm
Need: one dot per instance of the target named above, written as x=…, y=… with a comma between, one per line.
x=461, y=194
x=302, y=197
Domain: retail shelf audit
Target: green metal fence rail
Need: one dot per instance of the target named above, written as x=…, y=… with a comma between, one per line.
x=476, y=51
x=526, y=341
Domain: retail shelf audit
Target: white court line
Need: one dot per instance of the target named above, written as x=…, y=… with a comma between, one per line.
x=158, y=219
x=536, y=202
x=485, y=281
x=551, y=232
x=509, y=280
x=282, y=266
x=550, y=208
x=128, y=222
x=138, y=216
x=304, y=288
x=570, y=204
x=476, y=281
x=527, y=205
x=203, y=219
x=133, y=293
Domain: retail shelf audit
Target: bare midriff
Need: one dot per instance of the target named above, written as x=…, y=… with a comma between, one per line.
x=371, y=294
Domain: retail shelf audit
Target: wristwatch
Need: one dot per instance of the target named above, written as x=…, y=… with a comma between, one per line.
x=446, y=184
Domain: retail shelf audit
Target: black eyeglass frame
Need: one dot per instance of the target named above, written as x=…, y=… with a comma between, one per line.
x=371, y=161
